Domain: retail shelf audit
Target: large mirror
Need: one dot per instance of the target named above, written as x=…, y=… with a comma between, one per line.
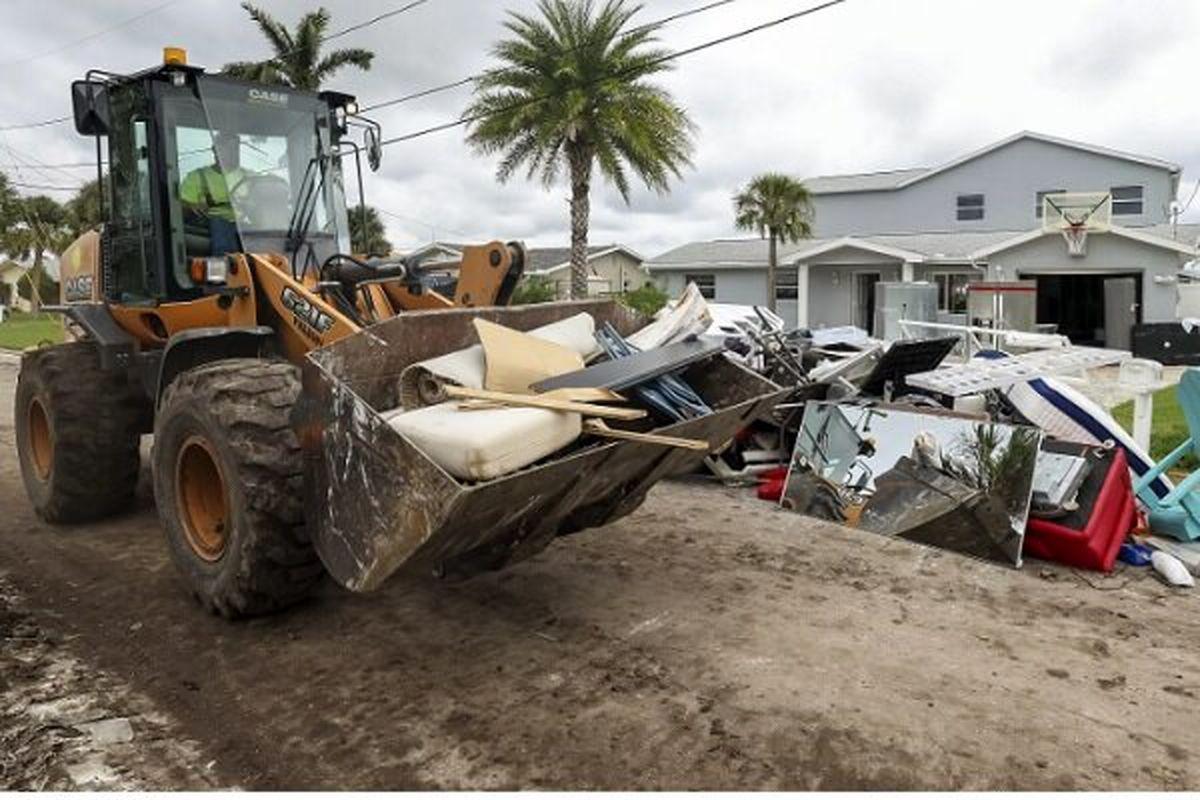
x=936, y=478
x=374, y=148
x=89, y=100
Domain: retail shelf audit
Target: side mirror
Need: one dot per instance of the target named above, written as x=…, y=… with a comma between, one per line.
x=90, y=103
x=374, y=148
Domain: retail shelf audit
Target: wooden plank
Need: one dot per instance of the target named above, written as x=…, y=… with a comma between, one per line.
x=540, y=401
x=570, y=395
x=597, y=427
x=585, y=395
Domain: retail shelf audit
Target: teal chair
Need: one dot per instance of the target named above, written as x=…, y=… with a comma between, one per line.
x=1178, y=513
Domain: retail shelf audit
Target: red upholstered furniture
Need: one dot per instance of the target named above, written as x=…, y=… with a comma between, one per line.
x=1090, y=537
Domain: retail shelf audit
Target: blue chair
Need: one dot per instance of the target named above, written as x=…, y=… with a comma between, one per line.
x=1178, y=513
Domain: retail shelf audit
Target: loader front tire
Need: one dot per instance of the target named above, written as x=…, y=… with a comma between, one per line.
x=229, y=485
x=78, y=428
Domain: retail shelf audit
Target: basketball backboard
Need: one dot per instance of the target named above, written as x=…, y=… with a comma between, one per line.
x=1075, y=215
x=1089, y=210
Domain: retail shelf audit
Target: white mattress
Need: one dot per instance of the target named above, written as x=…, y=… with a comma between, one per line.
x=419, y=383
x=487, y=444
x=1064, y=413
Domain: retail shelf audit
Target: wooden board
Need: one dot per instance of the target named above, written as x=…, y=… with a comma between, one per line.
x=539, y=401
x=597, y=427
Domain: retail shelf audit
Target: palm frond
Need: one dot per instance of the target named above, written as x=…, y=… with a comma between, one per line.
x=277, y=34
x=257, y=72
x=570, y=96
x=297, y=59
x=353, y=57
x=777, y=205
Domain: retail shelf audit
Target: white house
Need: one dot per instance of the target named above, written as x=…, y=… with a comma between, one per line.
x=976, y=217
x=11, y=274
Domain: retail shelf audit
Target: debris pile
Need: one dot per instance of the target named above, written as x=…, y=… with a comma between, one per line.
x=517, y=398
x=969, y=439
x=469, y=439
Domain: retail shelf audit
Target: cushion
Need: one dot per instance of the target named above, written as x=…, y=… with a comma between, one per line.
x=481, y=445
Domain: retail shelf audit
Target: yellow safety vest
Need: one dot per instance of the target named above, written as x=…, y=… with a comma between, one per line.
x=208, y=187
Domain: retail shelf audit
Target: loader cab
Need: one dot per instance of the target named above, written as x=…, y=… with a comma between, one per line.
x=201, y=165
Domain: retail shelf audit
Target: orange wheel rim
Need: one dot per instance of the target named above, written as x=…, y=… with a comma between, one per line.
x=202, y=499
x=41, y=443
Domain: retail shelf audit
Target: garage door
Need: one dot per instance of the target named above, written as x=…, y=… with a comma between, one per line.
x=1079, y=305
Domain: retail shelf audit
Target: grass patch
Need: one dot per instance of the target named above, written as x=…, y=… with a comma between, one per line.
x=19, y=331
x=1168, y=429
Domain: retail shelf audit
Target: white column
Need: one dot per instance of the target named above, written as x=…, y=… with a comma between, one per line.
x=1143, y=417
x=908, y=272
x=802, y=295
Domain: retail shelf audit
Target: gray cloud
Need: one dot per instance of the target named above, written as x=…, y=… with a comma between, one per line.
x=873, y=84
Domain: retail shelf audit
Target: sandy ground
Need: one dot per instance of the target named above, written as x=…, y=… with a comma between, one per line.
x=708, y=641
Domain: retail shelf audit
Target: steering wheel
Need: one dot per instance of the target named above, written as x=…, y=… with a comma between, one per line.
x=263, y=202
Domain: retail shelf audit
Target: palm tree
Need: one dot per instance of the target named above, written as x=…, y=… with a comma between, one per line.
x=371, y=239
x=41, y=226
x=777, y=207
x=297, y=61
x=83, y=210
x=571, y=95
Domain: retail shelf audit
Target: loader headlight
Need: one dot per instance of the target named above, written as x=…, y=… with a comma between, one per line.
x=216, y=270
x=210, y=270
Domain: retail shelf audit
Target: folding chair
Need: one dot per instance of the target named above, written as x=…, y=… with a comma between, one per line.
x=1178, y=513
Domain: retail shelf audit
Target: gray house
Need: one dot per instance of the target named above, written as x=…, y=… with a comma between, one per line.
x=975, y=218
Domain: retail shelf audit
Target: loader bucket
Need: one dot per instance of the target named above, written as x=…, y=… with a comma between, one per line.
x=376, y=503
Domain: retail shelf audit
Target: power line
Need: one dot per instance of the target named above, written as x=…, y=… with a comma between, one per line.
x=356, y=27
x=374, y=20
x=26, y=161
x=71, y=165
x=90, y=36
x=42, y=124
x=423, y=223
x=409, y=6
x=664, y=59
x=408, y=98
x=41, y=187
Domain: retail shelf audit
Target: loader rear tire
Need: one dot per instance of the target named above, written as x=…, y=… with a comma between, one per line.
x=229, y=483
x=78, y=428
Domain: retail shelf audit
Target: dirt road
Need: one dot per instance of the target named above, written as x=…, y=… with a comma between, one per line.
x=709, y=641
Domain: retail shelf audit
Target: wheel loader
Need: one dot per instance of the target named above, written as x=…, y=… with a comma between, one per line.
x=221, y=308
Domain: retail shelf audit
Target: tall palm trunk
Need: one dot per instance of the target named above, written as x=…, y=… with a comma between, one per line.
x=772, y=269
x=581, y=211
x=35, y=281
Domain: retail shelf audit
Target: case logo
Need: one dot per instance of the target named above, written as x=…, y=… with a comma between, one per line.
x=312, y=321
x=79, y=288
x=269, y=97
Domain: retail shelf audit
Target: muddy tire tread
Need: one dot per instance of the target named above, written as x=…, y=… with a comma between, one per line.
x=97, y=417
x=251, y=400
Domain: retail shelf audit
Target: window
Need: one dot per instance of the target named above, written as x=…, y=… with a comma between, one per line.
x=707, y=284
x=1126, y=201
x=1041, y=200
x=787, y=284
x=952, y=291
x=970, y=207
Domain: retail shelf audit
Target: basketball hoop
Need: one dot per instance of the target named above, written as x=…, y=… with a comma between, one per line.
x=1075, y=216
x=1076, y=236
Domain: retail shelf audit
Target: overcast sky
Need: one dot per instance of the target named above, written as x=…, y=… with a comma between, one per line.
x=868, y=85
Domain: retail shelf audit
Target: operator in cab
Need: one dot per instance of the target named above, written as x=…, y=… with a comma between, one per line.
x=207, y=193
